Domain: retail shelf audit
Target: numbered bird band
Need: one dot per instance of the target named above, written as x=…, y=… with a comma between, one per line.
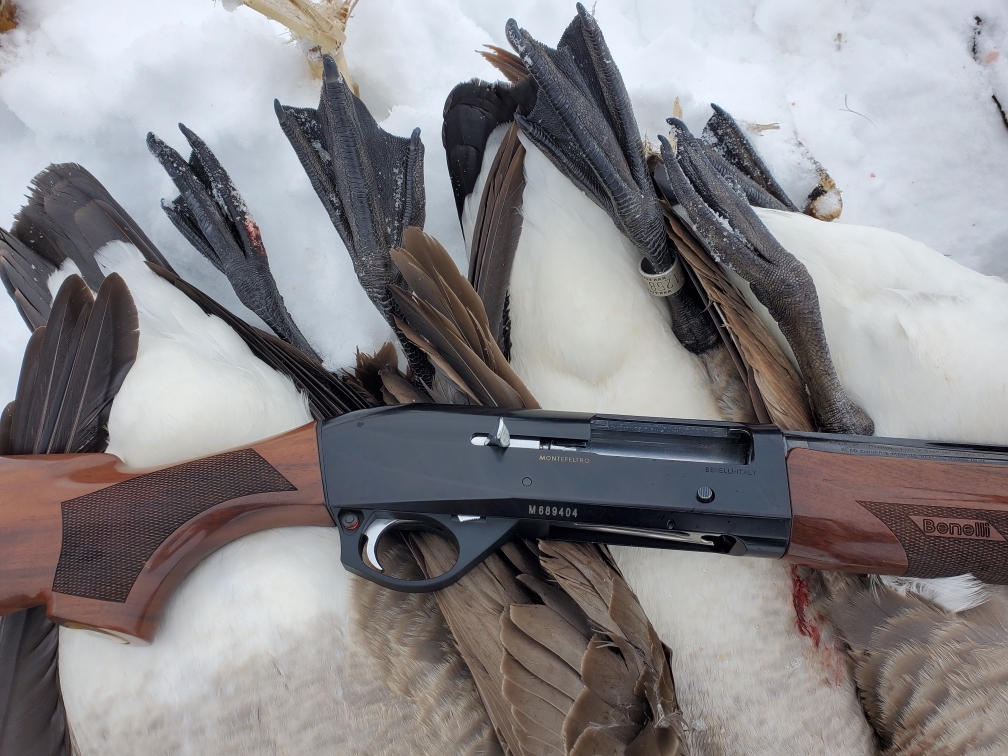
x=663, y=284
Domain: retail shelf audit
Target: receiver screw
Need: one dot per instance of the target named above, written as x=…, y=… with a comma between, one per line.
x=349, y=520
x=705, y=495
x=526, y=482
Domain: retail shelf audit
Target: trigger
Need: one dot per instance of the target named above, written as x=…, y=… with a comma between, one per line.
x=372, y=535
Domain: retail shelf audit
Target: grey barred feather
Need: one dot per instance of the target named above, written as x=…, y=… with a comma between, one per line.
x=931, y=681
x=407, y=636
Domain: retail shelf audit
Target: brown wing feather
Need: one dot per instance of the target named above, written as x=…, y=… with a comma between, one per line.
x=560, y=649
x=72, y=369
x=772, y=380
x=505, y=61
x=448, y=315
x=497, y=230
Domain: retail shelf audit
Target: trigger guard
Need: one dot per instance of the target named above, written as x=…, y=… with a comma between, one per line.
x=475, y=541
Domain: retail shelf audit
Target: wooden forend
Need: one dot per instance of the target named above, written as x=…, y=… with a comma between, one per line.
x=103, y=546
x=897, y=516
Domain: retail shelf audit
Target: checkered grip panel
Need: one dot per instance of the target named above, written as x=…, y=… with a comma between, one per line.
x=108, y=535
x=946, y=541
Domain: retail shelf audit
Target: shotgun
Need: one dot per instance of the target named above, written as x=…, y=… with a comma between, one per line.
x=103, y=546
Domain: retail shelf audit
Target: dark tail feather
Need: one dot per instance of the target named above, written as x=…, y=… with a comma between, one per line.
x=79, y=359
x=25, y=274
x=70, y=214
x=107, y=350
x=20, y=430
x=32, y=717
x=496, y=234
x=59, y=348
x=5, y=428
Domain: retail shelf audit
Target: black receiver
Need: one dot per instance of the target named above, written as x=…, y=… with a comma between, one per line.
x=482, y=476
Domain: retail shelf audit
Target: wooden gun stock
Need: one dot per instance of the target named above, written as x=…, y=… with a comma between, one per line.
x=104, y=546
x=892, y=516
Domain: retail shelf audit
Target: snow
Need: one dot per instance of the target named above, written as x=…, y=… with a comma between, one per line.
x=894, y=99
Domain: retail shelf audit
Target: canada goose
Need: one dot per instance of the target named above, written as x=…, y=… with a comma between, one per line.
x=211, y=393
x=551, y=283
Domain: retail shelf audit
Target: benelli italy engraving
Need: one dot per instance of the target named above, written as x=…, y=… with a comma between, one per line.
x=729, y=470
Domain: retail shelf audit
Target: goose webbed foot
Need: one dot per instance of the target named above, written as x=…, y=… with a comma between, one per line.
x=211, y=214
x=723, y=138
x=370, y=183
x=584, y=123
x=738, y=240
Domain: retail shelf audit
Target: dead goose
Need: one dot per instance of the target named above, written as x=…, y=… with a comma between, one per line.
x=90, y=664
x=195, y=388
x=713, y=656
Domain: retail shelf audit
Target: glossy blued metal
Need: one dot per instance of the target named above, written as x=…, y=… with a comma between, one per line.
x=483, y=476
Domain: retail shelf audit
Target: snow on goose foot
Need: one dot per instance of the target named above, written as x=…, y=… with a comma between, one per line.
x=371, y=184
x=739, y=240
x=584, y=123
x=213, y=217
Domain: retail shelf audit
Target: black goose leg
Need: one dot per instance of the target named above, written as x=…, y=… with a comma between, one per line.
x=212, y=215
x=729, y=142
x=777, y=278
x=584, y=123
x=370, y=183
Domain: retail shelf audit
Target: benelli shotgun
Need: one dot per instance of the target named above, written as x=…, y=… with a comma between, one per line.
x=103, y=546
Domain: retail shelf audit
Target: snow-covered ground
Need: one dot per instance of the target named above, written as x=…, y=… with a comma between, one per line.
x=894, y=98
